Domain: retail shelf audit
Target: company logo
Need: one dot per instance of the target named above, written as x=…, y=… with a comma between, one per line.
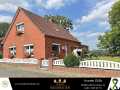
x=59, y=84
x=115, y=84
x=60, y=81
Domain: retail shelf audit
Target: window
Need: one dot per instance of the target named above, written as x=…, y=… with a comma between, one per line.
x=12, y=50
x=29, y=48
x=20, y=27
x=55, y=49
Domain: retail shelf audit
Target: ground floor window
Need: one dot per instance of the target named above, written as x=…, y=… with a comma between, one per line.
x=12, y=51
x=55, y=49
x=28, y=49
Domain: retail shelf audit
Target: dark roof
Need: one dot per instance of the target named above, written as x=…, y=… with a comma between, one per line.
x=48, y=27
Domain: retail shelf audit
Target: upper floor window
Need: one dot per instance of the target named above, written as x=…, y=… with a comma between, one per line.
x=12, y=51
x=20, y=27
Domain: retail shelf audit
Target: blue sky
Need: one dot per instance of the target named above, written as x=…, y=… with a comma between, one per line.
x=90, y=17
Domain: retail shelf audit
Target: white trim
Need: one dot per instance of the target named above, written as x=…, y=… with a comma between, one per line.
x=57, y=45
x=29, y=50
x=19, y=23
x=20, y=29
x=29, y=45
x=12, y=47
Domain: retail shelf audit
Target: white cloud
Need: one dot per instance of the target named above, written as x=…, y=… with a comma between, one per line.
x=91, y=34
x=11, y=6
x=103, y=23
x=5, y=18
x=54, y=4
x=99, y=13
x=95, y=34
x=87, y=34
x=88, y=38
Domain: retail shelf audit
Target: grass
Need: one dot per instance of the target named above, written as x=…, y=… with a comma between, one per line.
x=108, y=58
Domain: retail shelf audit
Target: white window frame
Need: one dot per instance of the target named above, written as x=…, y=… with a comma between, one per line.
x=57, y=45
x=29, y=49
x=13, y=52
x=20, y=29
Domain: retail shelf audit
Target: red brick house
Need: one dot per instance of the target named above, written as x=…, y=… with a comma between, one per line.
x=30, y=35
x=1, y=44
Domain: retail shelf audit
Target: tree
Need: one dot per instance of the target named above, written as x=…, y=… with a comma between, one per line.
x=114, y=15
x=111, y=39
x=62, y=21
x=3, y=29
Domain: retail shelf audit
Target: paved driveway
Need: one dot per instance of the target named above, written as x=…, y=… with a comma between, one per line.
x=10, y=70
x=18, y=70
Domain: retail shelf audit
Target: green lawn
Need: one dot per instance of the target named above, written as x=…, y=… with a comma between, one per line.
x=115, y=59
x=109, y=58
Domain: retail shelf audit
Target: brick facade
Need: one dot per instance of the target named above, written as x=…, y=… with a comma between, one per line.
x=40, y=33
x=30, y=35
x=70, y=46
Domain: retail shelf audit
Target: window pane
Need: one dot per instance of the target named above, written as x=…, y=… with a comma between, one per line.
x=20, y=27
x=11, y=49
x=26, y=47
x=31, y=47
x=55, y=47
x=55, y=50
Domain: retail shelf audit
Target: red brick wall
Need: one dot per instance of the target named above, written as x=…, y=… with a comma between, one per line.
x=49, y=40
x=87, y=71
x=31, y=35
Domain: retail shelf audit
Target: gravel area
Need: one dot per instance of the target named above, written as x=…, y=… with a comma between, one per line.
x=17, y=70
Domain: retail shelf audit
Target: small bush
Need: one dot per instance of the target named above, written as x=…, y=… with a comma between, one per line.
x=1, y=55
x=71, y=60
x=92, y=56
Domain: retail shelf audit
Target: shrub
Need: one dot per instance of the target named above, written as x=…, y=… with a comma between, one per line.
x=1, y=55
x=71, y=60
